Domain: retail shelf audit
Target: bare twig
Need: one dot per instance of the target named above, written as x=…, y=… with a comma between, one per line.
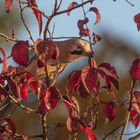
x=135, y=137
x=8, y=38
x=28, y=109
x=24, y=23
x=128, y=111
x=75, y=7
x=44, y=125
x=129, y=2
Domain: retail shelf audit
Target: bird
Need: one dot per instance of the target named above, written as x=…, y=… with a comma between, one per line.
x=69, y=51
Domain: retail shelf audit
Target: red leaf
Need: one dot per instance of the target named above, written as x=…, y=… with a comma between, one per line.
x=2, y=94
x=68, y=104
x=98, y=16
x=42, y=107
x=110, y=69
x=73, y=80
x=137, y=20
x=4, y=67
x=83, y=31
x=53, y=99
x=34, y=7
x=14, y=88
x=96, y=38
x=114, y=81
x=134, y=116
x=11, y=125
x=88, y=132
x=82, y=91
x=33, y=82
x=135, y=69
x=20, y=53
x=8, y=5
x=72, y=124
x=92, y=61
x=40, y=63
x=105, y=78
x=49, y=100
x=24, y=91
x=70, y=6
x=136, y=101
x=90, y=79
x=110, y=110
x=46, y=50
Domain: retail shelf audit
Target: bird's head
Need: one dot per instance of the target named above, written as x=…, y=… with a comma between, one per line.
x=80, y=47
x=73, y=49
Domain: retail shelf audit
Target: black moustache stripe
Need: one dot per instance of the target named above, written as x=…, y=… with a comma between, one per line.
x=77, y=52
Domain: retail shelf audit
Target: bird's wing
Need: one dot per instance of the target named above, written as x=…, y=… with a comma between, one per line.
x=53, y=69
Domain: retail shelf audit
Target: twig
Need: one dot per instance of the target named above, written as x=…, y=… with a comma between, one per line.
x=8, y=38
x=44, y=125
x=56, y=8
x=128, y=114
x=129, y=3
x=112, y=131
x=87, y=25
x=75, y=7
x=135, y=137
x=26, y=27
x=28, y=109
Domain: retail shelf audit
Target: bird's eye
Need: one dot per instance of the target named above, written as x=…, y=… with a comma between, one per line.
x=76, y=52
x=78, y=47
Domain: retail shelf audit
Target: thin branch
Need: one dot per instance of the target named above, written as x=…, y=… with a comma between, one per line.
x=75, y=7
x=8, y=38
x=24, y=23
x=44, y=125
x=89, y=37
x=129, y=3
x=128, y=114
x=113, y=130
x=135, y=137
x=28, y=109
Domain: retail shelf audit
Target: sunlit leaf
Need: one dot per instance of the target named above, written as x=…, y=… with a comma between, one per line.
x=98, y=16
x=88, y=132
x=34, y=7
x=70, y=6
x=24, y=91
x=90, y=79
x=83, y=31
x=8, y=5
x=72, y=124
x=137, y=20
x=135, y=118
x=110, y=110
x=135, y=69
x=81, y=90
x=74, y=79
x=110, y=69
x=20, y=53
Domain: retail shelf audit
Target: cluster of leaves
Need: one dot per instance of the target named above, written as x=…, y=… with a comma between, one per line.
x=16, y=83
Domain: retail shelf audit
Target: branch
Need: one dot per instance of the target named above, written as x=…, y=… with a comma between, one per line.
x=8, y=38
x=135, y=137
x=75, y=7
x=26, y=27
x=28, y=109
x=44, y=125
x=128, y=114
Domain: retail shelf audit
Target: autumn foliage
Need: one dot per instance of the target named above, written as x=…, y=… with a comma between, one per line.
x=17, y=83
